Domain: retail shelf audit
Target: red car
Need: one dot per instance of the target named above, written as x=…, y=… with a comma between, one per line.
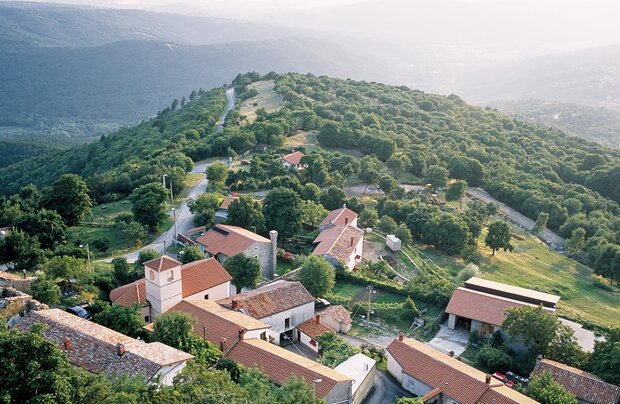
x=502, y=377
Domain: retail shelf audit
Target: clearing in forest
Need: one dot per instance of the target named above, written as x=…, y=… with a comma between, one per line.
x=267, y=99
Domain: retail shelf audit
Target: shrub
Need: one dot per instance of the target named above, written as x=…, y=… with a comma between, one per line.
x=469, y=271
x=430, y=289
x=493, y=359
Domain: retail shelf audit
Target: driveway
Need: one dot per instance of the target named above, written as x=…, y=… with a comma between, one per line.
x=386, y=390
x=448, y=340
x=585, y=338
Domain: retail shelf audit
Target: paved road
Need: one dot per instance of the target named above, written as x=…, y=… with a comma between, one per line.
x=386, y=390
x=184, y=217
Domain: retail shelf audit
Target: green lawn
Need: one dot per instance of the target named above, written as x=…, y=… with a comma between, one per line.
x=284, y=267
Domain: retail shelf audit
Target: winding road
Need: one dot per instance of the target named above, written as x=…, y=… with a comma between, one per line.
x=184, y=217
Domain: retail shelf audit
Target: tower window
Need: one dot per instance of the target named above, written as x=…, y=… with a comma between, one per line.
x=152, y=275
x=207, y=296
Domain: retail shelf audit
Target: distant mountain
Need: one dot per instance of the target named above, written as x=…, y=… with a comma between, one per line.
x=600, y=124
x=588, y=77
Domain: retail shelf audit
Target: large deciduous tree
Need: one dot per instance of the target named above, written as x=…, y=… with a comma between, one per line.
x=282, y=212
x=456, y=192
x=245, y=271
x=317, y=275
x=605, y=360
x=436, y=176
x=498, y=236
x=333, y=198
x=20, y=250
x=204, y=208
x=541, y=223
x=217, y=174
x=124, y=319
x=148, y=204
x=173, y=328
x=247, y=213
x=544, y=389
x=45, y=291
x=191, y=253
x=69, y=197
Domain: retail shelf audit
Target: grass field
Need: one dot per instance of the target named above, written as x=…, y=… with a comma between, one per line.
x=267, y=99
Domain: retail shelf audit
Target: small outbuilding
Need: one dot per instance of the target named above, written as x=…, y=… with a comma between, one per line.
x=393, y=242
x=362, y=370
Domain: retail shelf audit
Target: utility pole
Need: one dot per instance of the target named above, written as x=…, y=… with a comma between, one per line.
x=174, y=213
x=368, y=312
x=165, y=250
x=163, y=180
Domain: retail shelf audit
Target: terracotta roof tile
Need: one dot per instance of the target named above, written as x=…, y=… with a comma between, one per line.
x=280, y=365
x=455, y=379
x=339, y=313
x=312, y=329
x=229, y=199
x=338, y=242
x=93, y=346
x=586, y=386
x=216, y=322
x=271, y=299
x=195, y=277
x=293, y=158
x=339, y=217
x=512, y=292
x=481, y=306
x=229, y=240
x=162, y=263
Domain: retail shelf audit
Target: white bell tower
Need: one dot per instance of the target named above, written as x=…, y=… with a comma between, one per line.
x=163, y=284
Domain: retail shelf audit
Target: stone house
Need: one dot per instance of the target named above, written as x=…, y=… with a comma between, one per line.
x=224, y=241
x=337, y=318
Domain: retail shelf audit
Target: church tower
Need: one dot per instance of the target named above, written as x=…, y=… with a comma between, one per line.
x=163, y=284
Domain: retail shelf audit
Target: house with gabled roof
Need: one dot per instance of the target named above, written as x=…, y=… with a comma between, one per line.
x=222, y=212
x=437, y=377
x=340, y=240
x=167, y=282
x=101, y=350
x=480, y=305
x=282, y=304
x=224, y=241
x=588, y=388
x=292, y=160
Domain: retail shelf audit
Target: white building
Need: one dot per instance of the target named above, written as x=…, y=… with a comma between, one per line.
x=292, y=160
x=167, y=282
x=362, y=370
x=340, y=240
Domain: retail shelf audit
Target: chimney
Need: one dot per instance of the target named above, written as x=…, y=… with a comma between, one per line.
x=346, y=221
x=344, y=206
x=273, y=235
x=67, y=344
x=317, y=319
x=401, y=336
x=487, y=379
x=352, y=239
x=120, y=349
x=241, y=332
x=233, y=304
x=539, y=359
x=222, y=344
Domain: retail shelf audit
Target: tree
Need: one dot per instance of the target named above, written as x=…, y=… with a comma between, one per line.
x=69, y=197
x=45, y=291
x=369, y=217
x=282, y=212
x=148, y=204
x=65, y=268
x=245, y=271
x=369, y=171
x=565, y=349
x=605, y=360
x=387, y=225
x=217, y=174
x=124, y=319
x=403, y=234
x=388, y=184
x=144, y=256
x=20, y=249
x=498, y=236
x=541, y=223
x=456, y=192
x=191, y=253
x=492, y=359
x=173, y=328
x=436, y=176
x=576, y=241
x=445, y=231
x=125, y=273
x=310, y=192
x=607, y=262
x=47, y=225
x=312, y=213
x=317, y=275
x=247, y=213
x=204, y=208
x=333, y=198
x=397, y=163
x=544, y=389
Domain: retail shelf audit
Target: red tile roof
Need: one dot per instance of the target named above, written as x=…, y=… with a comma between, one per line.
x=293, y=158
x=271, y=299
x=196, y=277
x=229, y=240
x=586, y=386
x=339, y=217
x=93, y=346
x=512, y=292
x=339, y=313
x=338, y=242
x=229, y=199
x=162, y=263
x=481, y=306
x=457, y=380
x=313, y=329
x=216, y=322
x=280, y=365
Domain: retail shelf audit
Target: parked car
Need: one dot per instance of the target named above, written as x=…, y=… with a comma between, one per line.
x=80, y=312
x=502, y=377
x=517, y=379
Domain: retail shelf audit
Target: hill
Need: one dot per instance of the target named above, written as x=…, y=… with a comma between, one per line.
x=601, y=125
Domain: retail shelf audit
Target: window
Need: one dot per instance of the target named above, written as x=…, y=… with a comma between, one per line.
x=152, y=275
x=171, y=276
x=256, y=248
x=287, y=322
x=411, y=384
x=256, y=256
x=147, y=319
x=263, y=335
x=312, y=342
x=207, y=296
